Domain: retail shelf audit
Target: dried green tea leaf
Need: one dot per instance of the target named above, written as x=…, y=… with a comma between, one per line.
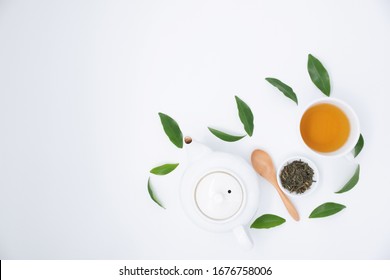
x=297, y=176
x=164, y=169
x=172, y=130
x=352, y=182
x=285, y=89
x=267, y=221
x=326, y=209
x=318, y=74
x=224, y=136
x=359, y=146
x=152, y=195
x=246, y=115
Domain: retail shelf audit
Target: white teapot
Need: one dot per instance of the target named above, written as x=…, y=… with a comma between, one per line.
x=219, y=191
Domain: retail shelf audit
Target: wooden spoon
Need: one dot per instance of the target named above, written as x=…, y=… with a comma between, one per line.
x=262, y=163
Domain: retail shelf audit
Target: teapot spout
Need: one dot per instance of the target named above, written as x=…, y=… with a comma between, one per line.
x=195, y=150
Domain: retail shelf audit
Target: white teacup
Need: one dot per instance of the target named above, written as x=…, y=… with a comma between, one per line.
x=354, y=131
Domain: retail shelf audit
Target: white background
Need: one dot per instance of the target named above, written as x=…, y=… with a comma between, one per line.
x=81, y=83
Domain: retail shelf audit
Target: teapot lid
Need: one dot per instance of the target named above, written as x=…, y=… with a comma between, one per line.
x=205, y=193
x=219, y=195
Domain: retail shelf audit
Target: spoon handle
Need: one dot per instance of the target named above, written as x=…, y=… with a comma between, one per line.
x=290, y=207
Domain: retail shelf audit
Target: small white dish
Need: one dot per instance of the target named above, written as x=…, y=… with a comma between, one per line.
x=315, y=176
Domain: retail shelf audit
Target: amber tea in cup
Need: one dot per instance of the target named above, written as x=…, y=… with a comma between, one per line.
x=329, y=127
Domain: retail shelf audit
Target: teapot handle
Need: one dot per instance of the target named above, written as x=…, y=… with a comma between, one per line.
x=243, y=237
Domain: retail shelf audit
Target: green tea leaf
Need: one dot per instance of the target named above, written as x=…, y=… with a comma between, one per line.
x=172, y=130
x=318, y=74
x=267, y=221
x=359, y=146
x=326, y=209
x=285, y=89
x=152, y=195
x=224, y=136
x=164, y=169
x=245, y=115
x=352, y=182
